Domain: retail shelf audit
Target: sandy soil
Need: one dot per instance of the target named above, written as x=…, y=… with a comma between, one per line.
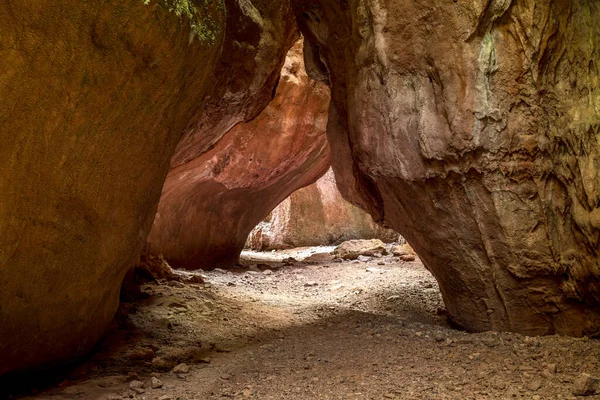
x=370, y=329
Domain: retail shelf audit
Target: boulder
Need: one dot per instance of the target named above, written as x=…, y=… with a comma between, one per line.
x=316, y=215
x=352, y=249
x=95, y=97
x=471, y=128
x=209, y=205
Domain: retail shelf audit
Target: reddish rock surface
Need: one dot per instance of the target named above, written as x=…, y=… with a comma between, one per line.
x=96, y=96
x=209, y=205
x=259, y=36
x=316, y=215
x=471, y=127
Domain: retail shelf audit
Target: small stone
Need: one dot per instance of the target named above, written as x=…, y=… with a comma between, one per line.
x=551, y=368
x=165, y=397
x=311, y=284
x=225, y=377
x=181, y=369
x=136, y=385
x=585, y=385
x=547, y=374
x=267, y=272
x=535, y=384
x=408, y=257
x=155, y=383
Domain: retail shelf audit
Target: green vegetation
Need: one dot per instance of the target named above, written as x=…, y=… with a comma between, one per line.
x=201, y=23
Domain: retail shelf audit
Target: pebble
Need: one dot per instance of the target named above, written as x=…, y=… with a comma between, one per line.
x=165, y=397
x=155, y=383
x=133, y=385
x=311, y=284
x=267, y=272
x=181, y=369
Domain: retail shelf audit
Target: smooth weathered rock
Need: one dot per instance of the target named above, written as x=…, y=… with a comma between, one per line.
x=95, y=96
x=471, y=128
x=209, y=205
x=181, y=369
x=402, y=249
x=352, y=249
x=316, y=215
x=155, y=383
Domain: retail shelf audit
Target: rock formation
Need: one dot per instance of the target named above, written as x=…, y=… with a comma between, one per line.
x=96, y=96
x=471, y=127
x=209, y=205
x=316, y=215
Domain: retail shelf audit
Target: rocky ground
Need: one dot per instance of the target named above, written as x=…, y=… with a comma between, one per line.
x=373, y=328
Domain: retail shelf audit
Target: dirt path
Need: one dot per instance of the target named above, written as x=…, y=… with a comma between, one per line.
x=370, y=329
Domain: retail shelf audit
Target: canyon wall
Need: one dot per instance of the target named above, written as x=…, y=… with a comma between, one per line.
x=472, y=128
x=316, y=215
x=209, y=205
x=96, y=96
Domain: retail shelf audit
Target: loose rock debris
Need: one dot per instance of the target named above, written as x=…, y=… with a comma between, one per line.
x=374, y=329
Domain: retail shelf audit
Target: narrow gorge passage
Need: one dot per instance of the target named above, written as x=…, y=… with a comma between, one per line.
x=142, y=141
x=371, y=329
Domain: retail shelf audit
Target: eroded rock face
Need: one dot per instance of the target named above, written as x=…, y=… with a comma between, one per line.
x=316, y=215
x=209, y=205
x=259, y=35
x=86, y=134
x=472, y=128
